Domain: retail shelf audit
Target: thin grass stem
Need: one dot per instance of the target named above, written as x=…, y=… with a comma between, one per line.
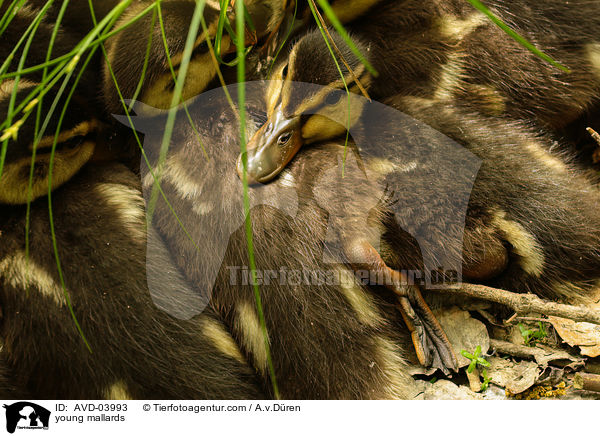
x=241, y=78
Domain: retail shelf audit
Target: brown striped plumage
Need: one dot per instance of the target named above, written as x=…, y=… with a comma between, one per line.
x=532, y=224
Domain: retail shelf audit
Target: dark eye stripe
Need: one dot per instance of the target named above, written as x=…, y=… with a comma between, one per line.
x=70, y=144
x=200, y=49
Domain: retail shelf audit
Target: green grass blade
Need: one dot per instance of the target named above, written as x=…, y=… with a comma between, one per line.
x=50, y=212
x=9, y=14
x=38, y=115
x=31, y=31
x=175, y=79
x=127, y=111
x=146, y=56
x=287, y=36
x=68, y=74
x=68, y=56
x=213, y=53
x=498, y=22
x=138, y=89
x=326, y=39
x=66, y=68
x=344, y=34
x=241, y=78
x=34, y=25
x=176, y=98
x=220, y=25
x=223, y=24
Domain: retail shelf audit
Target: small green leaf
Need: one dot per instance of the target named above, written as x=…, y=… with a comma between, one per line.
x=483, y=362
x=467, y=355
x=475, y=359
x=486, y=381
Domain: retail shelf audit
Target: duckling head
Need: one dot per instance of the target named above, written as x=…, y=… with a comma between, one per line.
x=143, y=67
x=30, y=158
x=306, y=104
x=139, y=63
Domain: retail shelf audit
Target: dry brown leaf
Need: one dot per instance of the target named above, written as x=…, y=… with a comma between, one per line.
x=584, y=335
x=464, y=332
x=514, y=376
x=446, y=390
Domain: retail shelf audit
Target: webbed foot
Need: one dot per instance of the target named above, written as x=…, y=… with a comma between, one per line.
x=431, y=343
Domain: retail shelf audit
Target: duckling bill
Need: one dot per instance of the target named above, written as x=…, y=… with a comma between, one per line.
x=271, y=149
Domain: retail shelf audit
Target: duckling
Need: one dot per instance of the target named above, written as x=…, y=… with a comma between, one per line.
x=193, y=359
x=535, y=201
x=64, y=43
x=304, y=113
x=531, y=222
x=168, y=351
x=329, y=335
x=77, y=19
x=312, y=114
x=79, y=132
x=374, y=358
x=127, y=50
x=75, y=145
x=447, y=51
x=531, y=201
x=297, y=112
x=137, y=349
x=520, y=232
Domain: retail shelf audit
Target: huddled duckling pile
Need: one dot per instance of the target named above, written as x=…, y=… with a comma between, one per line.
x=530, y=222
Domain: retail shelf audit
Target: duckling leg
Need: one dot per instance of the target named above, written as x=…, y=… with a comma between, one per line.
x=430, y=341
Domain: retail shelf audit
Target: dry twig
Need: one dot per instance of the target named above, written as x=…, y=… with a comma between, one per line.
x=526, y=303
x=521, y=351
x=589, y=382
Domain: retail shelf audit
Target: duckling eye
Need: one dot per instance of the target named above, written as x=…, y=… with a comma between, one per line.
x=284, y=72
x=283, y=139
x=333, y=98
x=73, y=142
